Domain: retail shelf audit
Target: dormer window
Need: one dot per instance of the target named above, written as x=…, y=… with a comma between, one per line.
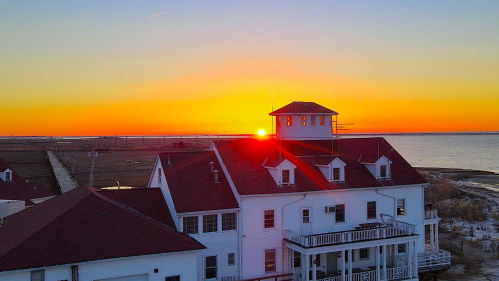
x=8, y=175
x=382, y=171
x=289, y=120
x=304, y=120
x=336, y=174
x=285, y=176
x=334, y=171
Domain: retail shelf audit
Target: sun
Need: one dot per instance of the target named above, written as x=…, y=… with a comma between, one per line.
x=261, y=132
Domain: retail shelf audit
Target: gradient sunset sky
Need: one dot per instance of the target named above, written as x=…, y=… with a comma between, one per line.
x=206, y=67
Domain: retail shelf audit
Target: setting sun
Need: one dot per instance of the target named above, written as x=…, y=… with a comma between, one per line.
x=261, y=132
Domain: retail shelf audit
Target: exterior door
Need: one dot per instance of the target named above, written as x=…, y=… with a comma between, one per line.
x=332, y=262
x=141, y=277
x=306, y=221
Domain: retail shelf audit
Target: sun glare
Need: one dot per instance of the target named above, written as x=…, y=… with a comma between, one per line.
x=261, y=132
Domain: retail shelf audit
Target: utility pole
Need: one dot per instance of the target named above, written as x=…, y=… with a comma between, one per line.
x=92, y=154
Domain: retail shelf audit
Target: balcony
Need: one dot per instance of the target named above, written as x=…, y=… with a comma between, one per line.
x=392, y=229
x=433, y=259
x=395, y=273
x=431, y=214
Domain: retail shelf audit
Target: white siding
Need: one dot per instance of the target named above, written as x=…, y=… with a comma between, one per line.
x=298, y=131
x=153, y=182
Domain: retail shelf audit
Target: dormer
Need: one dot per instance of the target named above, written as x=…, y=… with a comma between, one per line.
x=6, y=175
x=380, y=168
x=334, y=171
x=304, y=120
x=283, y=174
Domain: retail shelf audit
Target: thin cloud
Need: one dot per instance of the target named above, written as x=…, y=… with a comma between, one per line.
x=156, y=15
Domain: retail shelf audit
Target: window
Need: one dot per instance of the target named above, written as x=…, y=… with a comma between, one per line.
x=159, y=175
x=346, y=256
x=382, y=171
x=231, y=259
x=289, y=121
x=304, y=120
x=270, y=260
x=210, y=268
x=340, y=213
x=279, y=122
x=306, y=215
x=322, y=120
x=191, y=225
x=210, y=223
x=312, y=120
x=371, y=210
x=401, y=249
x=296, y=259
x=38, y=275
x=269, y=219
x=336, y=174
x=317, y=260
x=364, y=253
x=229, y=221
x=400, y=207
x=173, y=278
x=285, y=176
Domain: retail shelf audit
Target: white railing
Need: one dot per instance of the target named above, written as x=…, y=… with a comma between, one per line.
x=431, y=214
x=436, y=257
x=393, y=229
x=371, y=275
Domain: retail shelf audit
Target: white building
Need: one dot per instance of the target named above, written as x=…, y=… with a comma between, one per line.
x=305, y=205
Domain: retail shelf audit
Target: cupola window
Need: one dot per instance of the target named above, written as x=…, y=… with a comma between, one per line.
x=312, y=120
x=279, y=122
x=289, y=121
x=304, y=120
x=322, y=120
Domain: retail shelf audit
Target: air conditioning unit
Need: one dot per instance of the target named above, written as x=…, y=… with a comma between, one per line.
x=330, y=209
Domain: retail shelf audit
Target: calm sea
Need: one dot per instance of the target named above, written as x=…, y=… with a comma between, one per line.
x=478, y=152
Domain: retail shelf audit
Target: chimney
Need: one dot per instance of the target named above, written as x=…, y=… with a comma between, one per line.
x=211, y=164
x=215, y=173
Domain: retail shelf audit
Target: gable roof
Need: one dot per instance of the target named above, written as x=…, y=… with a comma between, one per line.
x=192, y=184
x=243, y=159
x=83, y=225
x=303, y=107
x=148, y=201
x=18, y=189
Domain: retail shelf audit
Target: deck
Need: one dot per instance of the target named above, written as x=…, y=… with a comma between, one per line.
x=64, y=179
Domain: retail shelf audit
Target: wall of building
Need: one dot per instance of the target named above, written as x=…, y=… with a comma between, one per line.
x=9, y=207
x=182, y=264
x=163, y=184
x=297, y=130
x=256, y=238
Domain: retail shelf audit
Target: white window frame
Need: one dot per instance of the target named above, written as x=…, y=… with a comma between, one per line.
x=184, y=225
x=405, y=206
x=368, y=254
x=312, y=120
x=304, y=120
x=222, y=222
x=345, y=213
x=289, y=176
x=339, y=174
x=289, y=121
x=376, y=209
x=216, y=267
x=274, y=220
x=202, y=222
x=228, y=264
x=265, y=260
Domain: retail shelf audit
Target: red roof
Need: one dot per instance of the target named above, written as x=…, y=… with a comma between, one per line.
x=303, y=107
x=18, y=189
x=148, y=201
x=83, y=225
x=244, y=158
x=192, y=184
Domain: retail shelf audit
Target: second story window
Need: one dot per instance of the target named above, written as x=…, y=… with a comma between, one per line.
x=322, y=120
x=289, y=121
x=304, y=120
x=306, y=215
x=340, y=213
x=371, y=210
x=383, y=171
x=285, y=176
x=400, y=207
x=268, y=219
x=159, y=175
x=231, y=259
x=336, y=174
x=210, y=223
x=190, y=225
x=229, y=221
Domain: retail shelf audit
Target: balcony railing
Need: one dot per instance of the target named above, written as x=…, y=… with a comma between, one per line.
x=433, y=258
x=431, y=214
x=395, y=273
x=392, y=229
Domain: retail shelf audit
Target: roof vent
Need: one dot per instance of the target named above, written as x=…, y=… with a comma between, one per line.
x=215, y=173
x=169, y=159
x=211, y=164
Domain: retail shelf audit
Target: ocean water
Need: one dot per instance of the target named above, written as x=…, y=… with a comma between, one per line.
x=473, y=151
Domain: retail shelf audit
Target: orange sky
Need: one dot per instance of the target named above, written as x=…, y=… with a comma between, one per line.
x=73, y=70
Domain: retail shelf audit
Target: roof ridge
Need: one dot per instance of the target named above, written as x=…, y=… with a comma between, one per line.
x=142, y=216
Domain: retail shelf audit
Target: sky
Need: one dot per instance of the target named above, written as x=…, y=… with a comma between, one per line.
x=149, y=67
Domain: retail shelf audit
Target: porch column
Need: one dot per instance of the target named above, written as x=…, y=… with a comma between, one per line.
x=350, y=265
x=378, y=272
x=342, y=265
x=303, y=266
x=432, y=236
x=314, y=268
x=307, y=268
x=416, y=258
x=436, y=235
x=384, y=263
x=408, y=247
